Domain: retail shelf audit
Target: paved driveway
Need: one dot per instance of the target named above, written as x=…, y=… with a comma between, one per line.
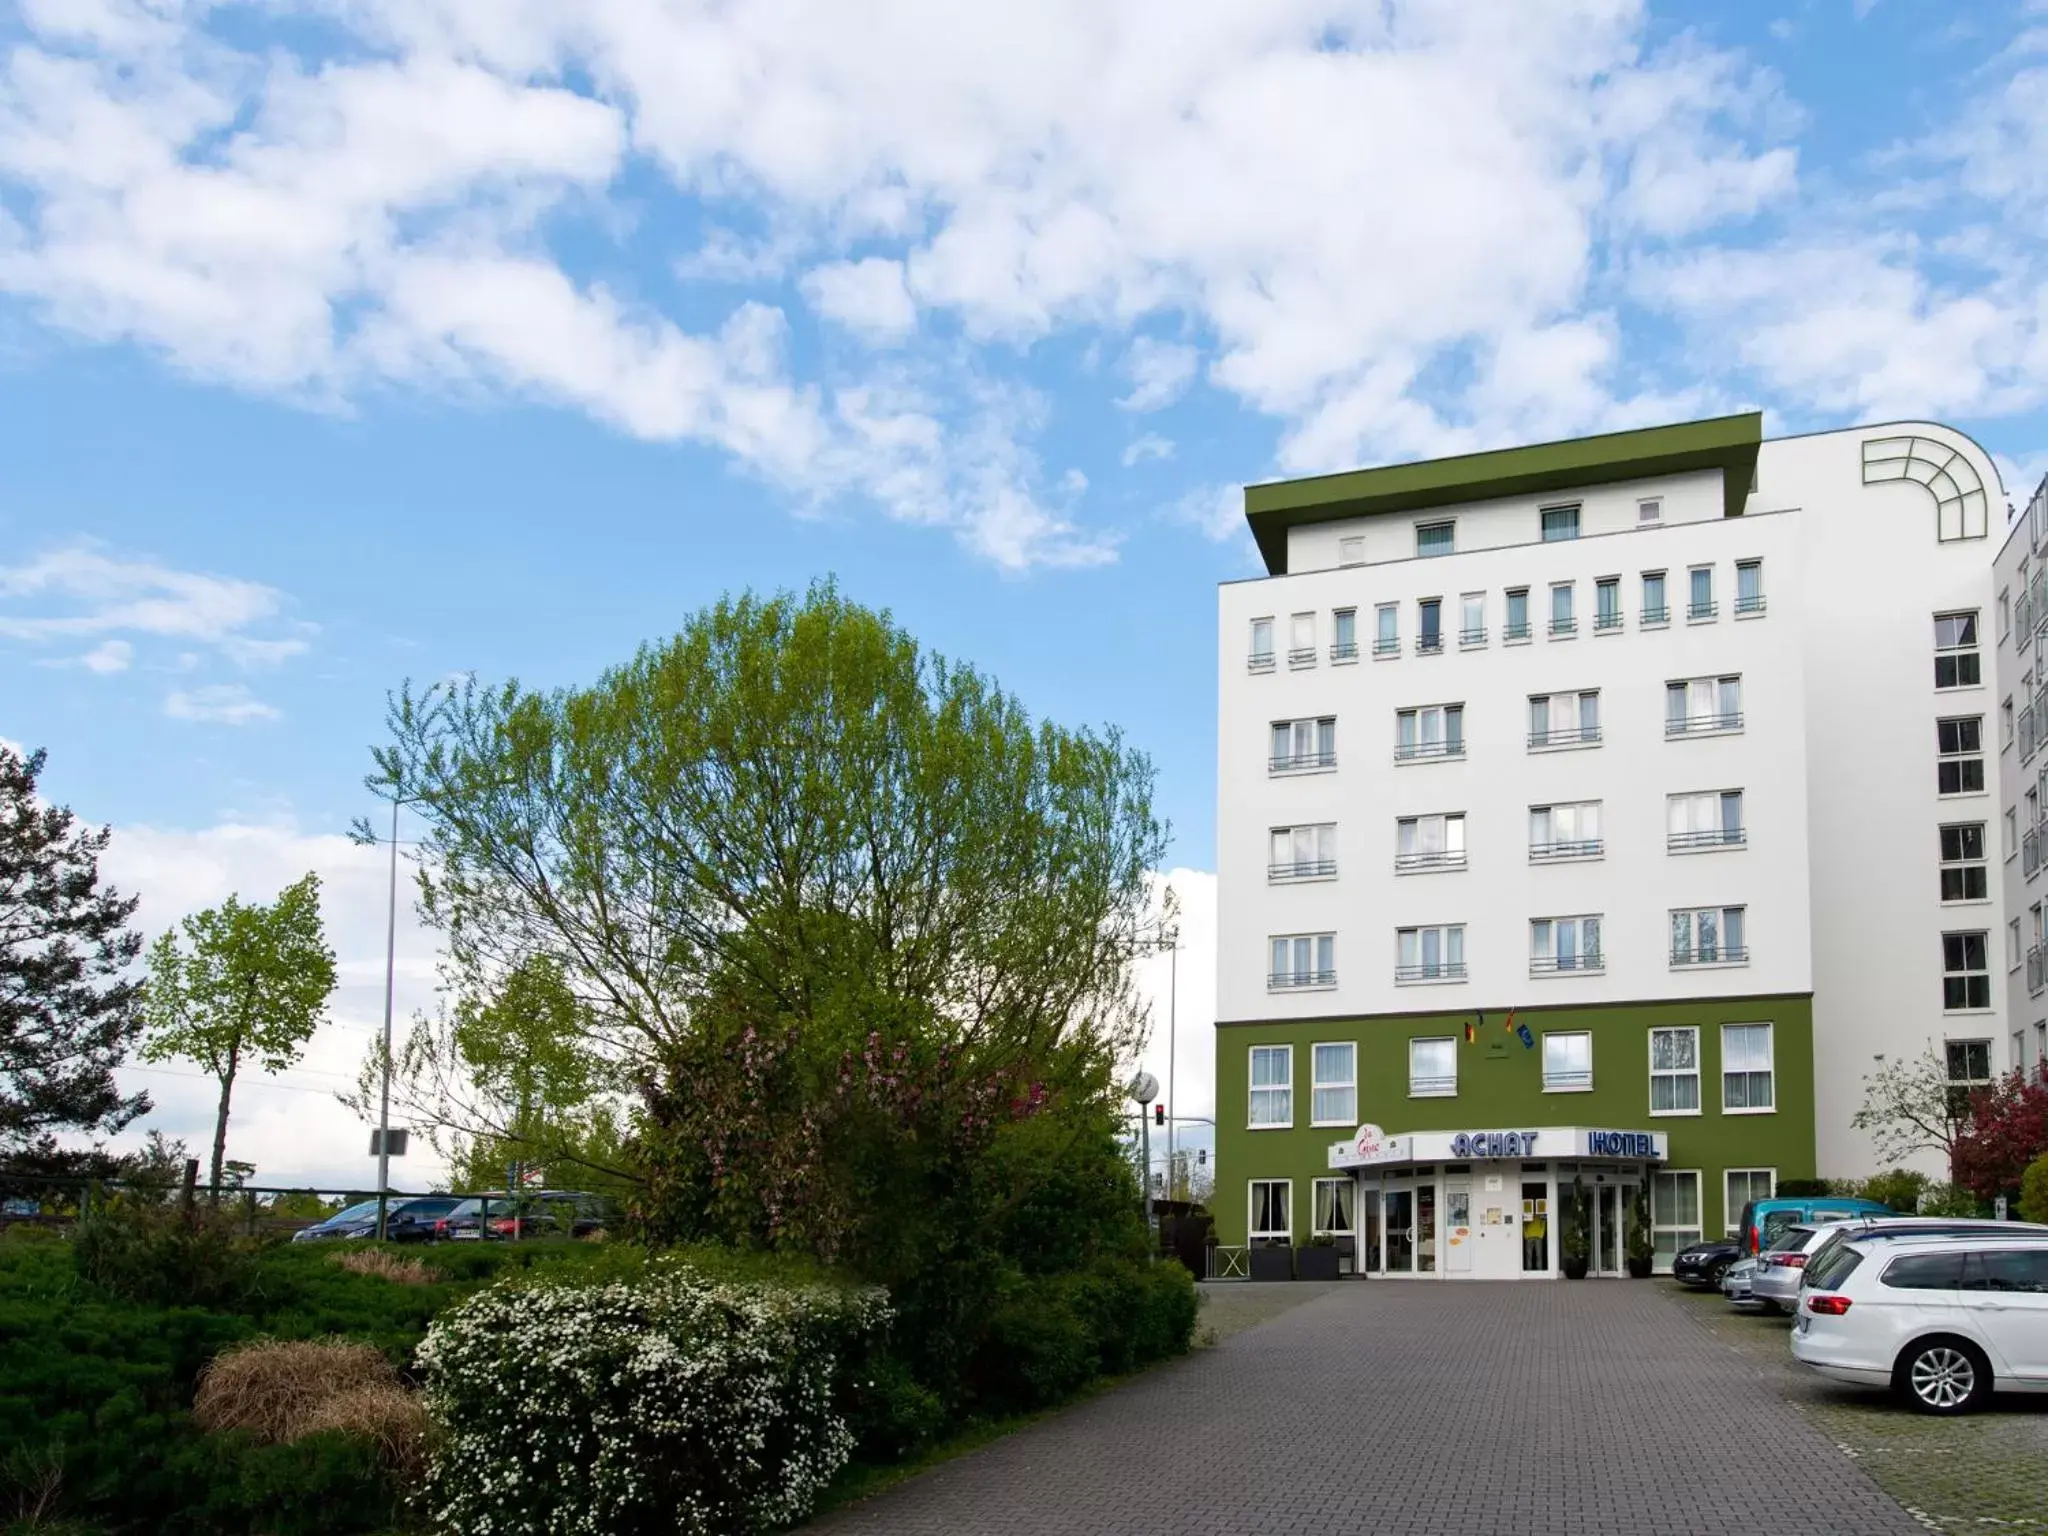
x=1412, y=1408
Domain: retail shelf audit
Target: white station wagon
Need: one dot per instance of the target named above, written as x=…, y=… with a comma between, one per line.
x=1943, y=1321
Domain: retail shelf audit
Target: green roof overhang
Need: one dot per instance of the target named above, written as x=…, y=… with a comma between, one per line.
x=1726, y=443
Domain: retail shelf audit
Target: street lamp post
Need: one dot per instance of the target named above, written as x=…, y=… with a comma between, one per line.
x=390, y=979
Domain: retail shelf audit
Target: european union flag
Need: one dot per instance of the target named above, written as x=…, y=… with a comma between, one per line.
x=1528, y=1040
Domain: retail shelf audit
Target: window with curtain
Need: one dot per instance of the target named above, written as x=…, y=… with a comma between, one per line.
x=1965, y=875
x=1336, y=1207
x=1303, y=853
x=1564, y=831
x=1433, y=539
x=1654, y=609
x=1472, y=618
x=1262, y=643
x=1435, y=731
x=1427, y=842
x=1746, y=1069
x=1560, y=523
x=1700, y=580
x=1301, y=640
x=1675, y=1071
x=1303, y=960
x=1562, y=621
x=1272, y=1217
x=1430, y=619
x=1702, y=704
x=1344, y=634
x=1708, y=936
x=1709, y=820
x=1749, y=586
x=1517, y=621
x=1567, y=1061
x=1565, y=944
x=1607, y=603
x=1966, y=972
x=1743, y=1186
x=1674, y=1214
x=1304, y=743
x=1333, y=1097
x=1431, y=954
x=1432, y=1068
x=1272, y=1101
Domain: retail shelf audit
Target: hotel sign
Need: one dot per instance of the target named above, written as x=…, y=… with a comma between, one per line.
x=1483, y=1144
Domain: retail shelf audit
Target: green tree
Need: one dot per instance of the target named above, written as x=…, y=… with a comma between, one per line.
x=248, y=983
x=69, y=1010
x=1909, y=1106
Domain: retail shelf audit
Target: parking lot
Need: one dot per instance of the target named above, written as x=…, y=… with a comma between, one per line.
x=1985, y=1472
x=1596, y=1407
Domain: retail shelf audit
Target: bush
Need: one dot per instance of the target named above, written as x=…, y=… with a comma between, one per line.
x=2034, y=1191
x=1049, y=1335
x=1952, y=1200
x=166, y=1257
x=674, y=1401
x=1793, y=1189
x=1901, y=1189
x=386, y=1265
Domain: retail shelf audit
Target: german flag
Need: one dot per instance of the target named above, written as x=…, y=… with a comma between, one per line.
x=1509, y=1024
x=1472, y=1028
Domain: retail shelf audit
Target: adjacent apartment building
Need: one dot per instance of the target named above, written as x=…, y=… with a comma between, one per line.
x=1602, y=810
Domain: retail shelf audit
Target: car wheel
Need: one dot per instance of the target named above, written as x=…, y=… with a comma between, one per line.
x=1944, y=1376
x=1717, y=1273
x=1772, y=1309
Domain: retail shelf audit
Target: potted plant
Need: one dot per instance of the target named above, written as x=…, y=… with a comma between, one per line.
x=1272, y=1261
x=1642, y=1245
x=1318, y=1259
x=1575, y=1237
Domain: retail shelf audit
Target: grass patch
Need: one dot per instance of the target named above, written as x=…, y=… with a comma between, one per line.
x=386, y=1265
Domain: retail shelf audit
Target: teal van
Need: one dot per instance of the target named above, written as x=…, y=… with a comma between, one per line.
x=1763, y=1220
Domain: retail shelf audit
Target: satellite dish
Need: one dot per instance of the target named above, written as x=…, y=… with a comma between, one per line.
x=1144, y=1088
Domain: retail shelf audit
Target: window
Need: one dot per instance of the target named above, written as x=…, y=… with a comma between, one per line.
x=1649, y=510
x=1430, y=842
x=1333, y=1092
x=1437, y=730
x=1568, y=1062
x=1965, y=972
x=2024, y=1270
x=1351, y=551
x=2012, y=945
x=1564, y=719
x=1435, y=538
x=1675, y=1071
x=1708, y=936
x=1344, y=635
x=1261, y=657
x=1700, y=704
x=2005, y=724
x=1654, y=610
x=1955, y=650
x=1301, y=640
x=1744, y=1185
x=1569, y=831
x=1746, y=1086
x=1607, y=603
x=1562, y=621
x=1560, y=523
x=2004, y=614
x=1387, y=636
x=1959, y=767
x=1472, y=619
x=1559, y=944
x=1430, y=954
x=1299, y=744
x=1303, y=960
x=1336, y=1207
x=1517, y=625
x=1969, y=1068
x=1303, y=853
x=1701, y=583
x=1749, y=586
x=1271, y=1214
x=1674, y=1214
x=1710, y=820
x=1432, y=1068
x=1925, y=1272
x=2012, y=833
x=1964, y=876
x=1430, y=613
x=1272, y=1100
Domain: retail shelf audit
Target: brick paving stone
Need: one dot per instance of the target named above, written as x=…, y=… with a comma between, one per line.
x=1416, y=1409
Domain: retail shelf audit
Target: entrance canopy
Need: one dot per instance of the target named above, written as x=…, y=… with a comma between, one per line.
x=1372, y=1147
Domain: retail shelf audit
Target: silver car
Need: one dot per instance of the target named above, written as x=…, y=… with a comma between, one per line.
x=1780, y=1267
x=1735, y=1284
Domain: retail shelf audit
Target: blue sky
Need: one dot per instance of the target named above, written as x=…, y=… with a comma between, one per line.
x=346, y=341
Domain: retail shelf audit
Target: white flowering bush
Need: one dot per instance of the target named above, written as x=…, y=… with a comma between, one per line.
x=673, y=1402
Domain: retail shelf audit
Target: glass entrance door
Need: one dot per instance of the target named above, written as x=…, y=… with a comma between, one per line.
x=1425, y=1228
x=1459, y=1234
x=1608, y=1207
x=1400, y=1232
x=1535, y=1227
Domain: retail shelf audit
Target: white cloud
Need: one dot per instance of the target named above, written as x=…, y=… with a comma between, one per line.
x=219, y=704
x=1150, y=446
x=868, y=297
x=1217, y=510
x=1159, y=371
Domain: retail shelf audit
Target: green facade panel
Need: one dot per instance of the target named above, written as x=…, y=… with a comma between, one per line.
x=1500, y=1087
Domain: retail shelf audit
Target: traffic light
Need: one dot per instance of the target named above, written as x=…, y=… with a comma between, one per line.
x=1159, y=1114
x=1202, y=1158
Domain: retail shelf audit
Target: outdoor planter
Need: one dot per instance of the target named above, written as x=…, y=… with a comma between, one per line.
x=1639, y=1269
x=1574, y=1266
x=1272, y=1263
x=1316, y=1262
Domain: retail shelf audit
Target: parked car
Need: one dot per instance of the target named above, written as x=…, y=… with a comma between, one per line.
x=405, y=1221
x=1763, y=1220
x=1735, y=1284
x=1704, y=1264
x=550, y=1213
x=1942, y=1321
x=1914, y=1226
x=1780, y=1267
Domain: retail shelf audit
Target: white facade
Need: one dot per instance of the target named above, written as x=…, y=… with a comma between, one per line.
x=2018, y=626
x=1861, y=537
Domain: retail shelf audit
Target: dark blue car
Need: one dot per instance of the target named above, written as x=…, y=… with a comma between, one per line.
x=405, y=1221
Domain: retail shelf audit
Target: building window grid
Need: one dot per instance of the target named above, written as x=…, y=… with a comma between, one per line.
x=1344, y=634
x=1569, y=830
x=1272, y=1087
x=1336, y=1212
x=1565, y=945
x=1434, y=539
x=1432, y=952
x=1472, y=619
x=1956, y=660
x=1433, y=1068
x=1301, y=641
x=1568, y=1061
x=1739, y=1187
x=1559, y=524
x=1564, y=719
x=1333, y=1084
x=1429, y=626
x=1515, y=626
x=1700, y=603
x=1748, y=1069
x=1260, y=657
x=1607, y=605
x=1429, y=731
x=1674, y=1213
x=1965, y=872
x=1709, y=936
x=1749, y=588
x=1563, y=621
x=1302, y=960
x=1307, y=852
x=1271, y=1217
x=1430, y=842
x=1965, y=972
x=1303, y=744
x=1709, y=819
x=1386, y=639
x=1655, y=608
x=1675, y=1070
x=1968, y=1065
x=1959, y=755
x=1696, y=706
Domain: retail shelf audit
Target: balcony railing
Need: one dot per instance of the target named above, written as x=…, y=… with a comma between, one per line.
x=1386, y=645
x=1565, y=736
x=1259, y=661
x=1693, y=725
x=1302, y=656
x=1344, y=650
x=1752, y=604
x=1432, y=1087
x=2037, y=970
x=1579, y=848
x=1656, y=616
x=1302, y=869
x=1292, y=762
x=1564, y=627
x=1472, y=636
x=1286, y=981
x=1713, y=837
x=1607, y=621
x=1411, y=751
x=1429, y=645
x=1442, y=859
x=1704, y=610
x=1715, y=954
x=1552, y=965
x=1567, y=1082
x=1514, y=631
x=1441, y=970
x=2030, y=852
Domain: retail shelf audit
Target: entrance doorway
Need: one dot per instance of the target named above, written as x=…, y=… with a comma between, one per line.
x=1609, y=1211
x=1425, y=1228
x=1459, y=1237
x=1536, y=1227
x=1400, y=1231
